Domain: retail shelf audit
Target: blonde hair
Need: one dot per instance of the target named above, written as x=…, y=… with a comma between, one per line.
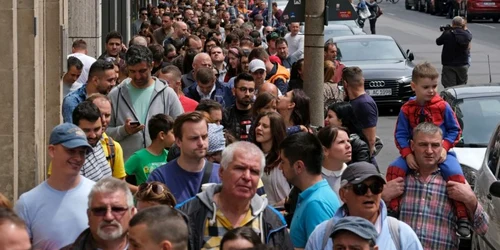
x=329, y=70
x=155, y=192
x=4, y=202
x=424, y=70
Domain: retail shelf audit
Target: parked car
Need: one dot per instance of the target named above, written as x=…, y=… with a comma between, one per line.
x=352, y=24
x=336, y=30
x=432, y=7
x=482, y=9
x=487, y=192
x=386, y=68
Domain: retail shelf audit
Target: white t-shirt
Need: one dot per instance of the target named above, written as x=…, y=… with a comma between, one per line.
x=54, y=218
x=87, y=62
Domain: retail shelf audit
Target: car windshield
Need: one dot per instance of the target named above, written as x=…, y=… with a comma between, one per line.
x=478, y=118
x=369, y=50
x=336, y=33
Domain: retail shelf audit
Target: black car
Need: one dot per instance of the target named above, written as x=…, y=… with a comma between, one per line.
x=386, y=68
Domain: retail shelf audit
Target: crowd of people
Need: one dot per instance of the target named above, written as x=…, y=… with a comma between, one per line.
x=196, y=134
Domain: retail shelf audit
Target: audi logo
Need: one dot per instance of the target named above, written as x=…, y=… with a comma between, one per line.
x=376, y=84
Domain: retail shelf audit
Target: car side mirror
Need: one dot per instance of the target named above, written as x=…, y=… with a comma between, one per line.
x=495, y=189
x=410, y=55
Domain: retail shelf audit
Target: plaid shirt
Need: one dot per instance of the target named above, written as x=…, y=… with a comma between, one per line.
x=428, y=210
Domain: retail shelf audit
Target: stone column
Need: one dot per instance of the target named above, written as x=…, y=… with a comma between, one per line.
x=84, y=22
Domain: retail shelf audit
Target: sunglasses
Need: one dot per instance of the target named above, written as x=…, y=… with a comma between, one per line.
x=157, y=189
x=102, y=211
x=361, y=188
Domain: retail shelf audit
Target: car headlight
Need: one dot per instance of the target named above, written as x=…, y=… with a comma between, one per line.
x=405, y=79
x=470, y=174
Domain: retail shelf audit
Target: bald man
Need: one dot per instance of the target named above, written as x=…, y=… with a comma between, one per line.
x=178, y=37
x=138, y=40
x=269, y=87
x=201, y=60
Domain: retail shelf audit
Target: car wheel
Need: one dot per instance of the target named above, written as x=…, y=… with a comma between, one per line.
x=495, y=19
x=407, y=5
x=468, y=17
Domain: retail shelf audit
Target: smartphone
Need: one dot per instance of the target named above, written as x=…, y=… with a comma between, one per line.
x=136, y=123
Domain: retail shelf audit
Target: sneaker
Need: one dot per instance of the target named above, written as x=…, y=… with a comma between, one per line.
x=393, y=213
x=463, y=228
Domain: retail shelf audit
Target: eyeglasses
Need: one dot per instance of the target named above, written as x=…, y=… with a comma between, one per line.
x=361, y=188
x=245, y=89
x=102, y=211
x=157, y=189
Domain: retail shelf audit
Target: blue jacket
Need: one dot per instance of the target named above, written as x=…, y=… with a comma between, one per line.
x=72, y=100
x=408, y=238
x=222, y=94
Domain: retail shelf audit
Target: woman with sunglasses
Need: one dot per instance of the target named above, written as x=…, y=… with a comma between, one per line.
x=337, y=152
x=153, y=194
x=341, y=114
x=234, y=67
x=269, y=132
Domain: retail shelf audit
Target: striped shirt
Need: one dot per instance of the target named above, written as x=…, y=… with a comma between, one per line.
x=96, y=166
x=428, y=210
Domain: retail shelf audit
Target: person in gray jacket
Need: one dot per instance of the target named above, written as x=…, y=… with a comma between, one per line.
x=137, y=99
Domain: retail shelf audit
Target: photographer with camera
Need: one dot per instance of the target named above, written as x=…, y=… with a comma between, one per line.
x=455, y=55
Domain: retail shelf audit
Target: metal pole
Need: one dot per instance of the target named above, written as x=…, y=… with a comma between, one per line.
x=128, y=25
x=269, y=13
x=314, y=59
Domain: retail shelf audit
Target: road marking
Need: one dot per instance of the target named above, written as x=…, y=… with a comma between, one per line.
x=391, y=14
x=485, y=25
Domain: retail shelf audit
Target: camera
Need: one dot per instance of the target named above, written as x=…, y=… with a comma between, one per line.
x=445, y=27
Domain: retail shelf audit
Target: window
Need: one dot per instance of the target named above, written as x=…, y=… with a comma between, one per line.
x=494, y=154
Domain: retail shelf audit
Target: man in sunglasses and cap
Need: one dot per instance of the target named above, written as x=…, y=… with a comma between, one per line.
x=361, y=191
x=55, y=210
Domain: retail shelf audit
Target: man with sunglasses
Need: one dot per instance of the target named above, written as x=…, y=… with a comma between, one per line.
x=143, y=16
x=238, y=118
x=361, y=191
x=433, y=218
x=110, y=208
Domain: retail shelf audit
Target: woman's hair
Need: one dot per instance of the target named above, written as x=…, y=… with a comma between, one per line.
x=246, y=233
x=328, y=134
x=300, y=114
x=4, y=202
x=187, y=63
x=262, y=100
x=238, y=52
x=329, y=70
x=155, y=192
x=345, y=113
x=278, y=132
x=294, y=72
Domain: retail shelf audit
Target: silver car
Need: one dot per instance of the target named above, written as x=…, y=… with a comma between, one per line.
x=487, y=189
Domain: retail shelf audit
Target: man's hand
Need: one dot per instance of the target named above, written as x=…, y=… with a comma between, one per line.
x=410, y=161
x=393, y=189
x=444, y=153
x=462, y=192
x=132, y=129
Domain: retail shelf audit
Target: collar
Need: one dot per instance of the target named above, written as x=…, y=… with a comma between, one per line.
x=338, y=173
x=203, y=96
x=310, y=190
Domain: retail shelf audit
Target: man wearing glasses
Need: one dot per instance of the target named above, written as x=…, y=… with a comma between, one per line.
x=361, y=191
x=110, y=208
x=238, y=119
x=143, y=16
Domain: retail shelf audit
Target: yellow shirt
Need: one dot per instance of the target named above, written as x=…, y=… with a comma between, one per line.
x=118, y=166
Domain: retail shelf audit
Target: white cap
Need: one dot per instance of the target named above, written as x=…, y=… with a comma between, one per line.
x=256, y=64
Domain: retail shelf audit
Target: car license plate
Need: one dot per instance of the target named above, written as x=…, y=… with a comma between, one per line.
x=489, y=4
x=379, y=92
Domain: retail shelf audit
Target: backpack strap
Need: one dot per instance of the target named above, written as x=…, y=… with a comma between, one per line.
x=111, y=152
x=394, y=231
x=208, y=172
x=328, y=232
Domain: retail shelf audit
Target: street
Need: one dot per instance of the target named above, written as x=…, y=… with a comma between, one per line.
x=418, y=32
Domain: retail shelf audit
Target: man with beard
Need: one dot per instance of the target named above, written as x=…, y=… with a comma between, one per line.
x=136, y=100
x=238, y=119
x=110, y=208
x=102, y=78
x=54, y=211
x=185, y=175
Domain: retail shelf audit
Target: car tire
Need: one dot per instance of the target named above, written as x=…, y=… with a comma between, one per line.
x=407, y=5
x=495, y=19
x=468, y=17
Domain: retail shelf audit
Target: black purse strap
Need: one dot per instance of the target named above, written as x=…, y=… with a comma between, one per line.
x=207, y=173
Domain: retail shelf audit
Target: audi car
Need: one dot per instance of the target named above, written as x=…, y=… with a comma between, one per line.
x=386, y=67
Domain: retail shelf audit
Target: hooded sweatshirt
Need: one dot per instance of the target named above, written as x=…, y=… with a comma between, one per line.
x=436, y=111
x=202, y=207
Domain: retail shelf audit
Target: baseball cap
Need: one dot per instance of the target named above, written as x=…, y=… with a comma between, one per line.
x=275, y=59
x=256, y=64
x=272, y=36
x=358, y=172
x=258, y=17
x=216, y=139
x=69, y=135
x=356, y=225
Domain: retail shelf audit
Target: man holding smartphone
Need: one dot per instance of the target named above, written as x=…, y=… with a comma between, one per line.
x=137, y=99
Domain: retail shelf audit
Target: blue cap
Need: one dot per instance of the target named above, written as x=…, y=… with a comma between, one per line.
x=69, y=135
x=356, y=225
